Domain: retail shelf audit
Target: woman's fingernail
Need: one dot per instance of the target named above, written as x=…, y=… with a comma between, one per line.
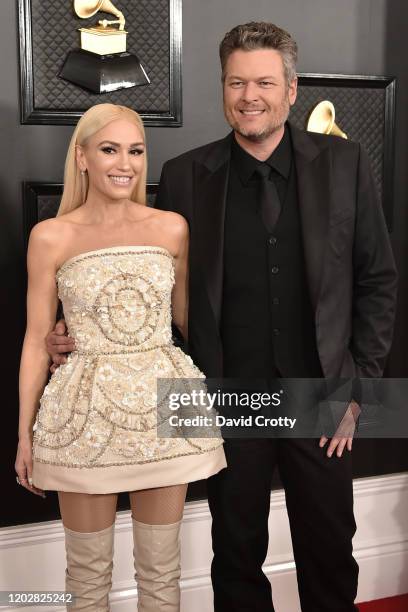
x=30, y=481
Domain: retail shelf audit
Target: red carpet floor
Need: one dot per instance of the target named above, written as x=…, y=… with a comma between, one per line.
x=391, y=604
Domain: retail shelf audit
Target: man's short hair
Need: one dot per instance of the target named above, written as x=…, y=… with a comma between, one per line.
x=261, y=35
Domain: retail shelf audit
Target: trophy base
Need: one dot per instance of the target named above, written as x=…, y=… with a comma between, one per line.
x=103, y=73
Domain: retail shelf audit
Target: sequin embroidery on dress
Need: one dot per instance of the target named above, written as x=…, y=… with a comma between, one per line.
x=99, y=409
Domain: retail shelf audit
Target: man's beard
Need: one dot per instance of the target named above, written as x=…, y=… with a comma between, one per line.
x=277, y=120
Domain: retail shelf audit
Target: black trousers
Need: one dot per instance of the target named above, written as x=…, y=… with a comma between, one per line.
x=319, y=499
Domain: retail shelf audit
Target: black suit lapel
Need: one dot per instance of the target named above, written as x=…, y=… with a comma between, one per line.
x=313, y=168
x=210, y=192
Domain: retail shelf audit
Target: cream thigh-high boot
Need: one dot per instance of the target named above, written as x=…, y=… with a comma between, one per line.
x=89, y=568
x=157, y=565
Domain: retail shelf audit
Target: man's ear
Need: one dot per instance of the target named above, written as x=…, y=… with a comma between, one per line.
x=292, y=91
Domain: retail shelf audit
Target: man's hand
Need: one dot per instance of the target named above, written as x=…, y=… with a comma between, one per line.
x=344, y=433
x=58, y=344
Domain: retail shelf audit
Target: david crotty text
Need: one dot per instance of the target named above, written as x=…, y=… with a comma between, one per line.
x=221, y=421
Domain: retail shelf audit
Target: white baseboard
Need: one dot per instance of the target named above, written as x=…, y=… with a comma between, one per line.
x=32, y=557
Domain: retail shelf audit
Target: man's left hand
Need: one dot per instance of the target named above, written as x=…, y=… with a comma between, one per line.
x=344, y=433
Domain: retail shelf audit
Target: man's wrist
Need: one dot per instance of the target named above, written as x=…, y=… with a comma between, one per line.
x=355, y=410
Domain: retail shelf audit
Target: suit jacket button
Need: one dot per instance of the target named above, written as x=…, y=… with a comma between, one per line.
x=276, y=331
x=275, y=270
x=273, y=240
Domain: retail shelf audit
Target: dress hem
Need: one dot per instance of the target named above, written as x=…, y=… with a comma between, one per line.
x=117, y=479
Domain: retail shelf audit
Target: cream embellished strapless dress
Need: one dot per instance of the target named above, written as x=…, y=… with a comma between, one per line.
x=96, y=429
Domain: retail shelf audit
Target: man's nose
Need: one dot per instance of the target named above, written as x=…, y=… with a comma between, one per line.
x=250, y=92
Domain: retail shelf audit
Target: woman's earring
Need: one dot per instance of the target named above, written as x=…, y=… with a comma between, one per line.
x=83, y=172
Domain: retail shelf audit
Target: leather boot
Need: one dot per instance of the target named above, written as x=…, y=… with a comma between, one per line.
x=89, y=568
x=157, y=565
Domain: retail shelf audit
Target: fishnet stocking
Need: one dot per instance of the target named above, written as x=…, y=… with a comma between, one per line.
x=87, y=513
x=162, y=506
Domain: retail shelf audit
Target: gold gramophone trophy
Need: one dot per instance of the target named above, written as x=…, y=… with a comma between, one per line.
x=322, y=118
x=102, y=64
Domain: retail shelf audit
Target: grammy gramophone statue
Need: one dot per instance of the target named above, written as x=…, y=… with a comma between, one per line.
x=102, y=64
x=321, y=120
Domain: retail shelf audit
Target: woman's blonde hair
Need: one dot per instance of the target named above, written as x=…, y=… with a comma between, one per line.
x=76, y=184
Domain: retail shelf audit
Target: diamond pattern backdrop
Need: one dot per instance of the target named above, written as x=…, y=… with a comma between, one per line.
x=360, y=113
x=54, y=28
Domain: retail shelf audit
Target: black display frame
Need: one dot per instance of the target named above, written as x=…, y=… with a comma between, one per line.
x=29, y=114
x=386, y=84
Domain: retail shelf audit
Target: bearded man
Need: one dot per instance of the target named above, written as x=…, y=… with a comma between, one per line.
x=291, y=275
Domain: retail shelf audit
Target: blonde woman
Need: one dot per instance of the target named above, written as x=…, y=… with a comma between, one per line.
x=120, y=270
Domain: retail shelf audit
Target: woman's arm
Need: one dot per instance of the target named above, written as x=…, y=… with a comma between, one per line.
x=42, y=301
x=180, y=289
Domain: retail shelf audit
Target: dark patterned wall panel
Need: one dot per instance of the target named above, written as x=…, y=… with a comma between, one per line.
x=152, y=36
x=358, y=113
x=364, y=111
x=55, y=33
x=47, y=206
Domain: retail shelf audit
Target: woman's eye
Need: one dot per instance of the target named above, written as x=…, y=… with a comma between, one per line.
x=136, y=151
x=108, y=149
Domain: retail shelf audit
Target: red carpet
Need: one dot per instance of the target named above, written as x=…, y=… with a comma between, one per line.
x=391, y=604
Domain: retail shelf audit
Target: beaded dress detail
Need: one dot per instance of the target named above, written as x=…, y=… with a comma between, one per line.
x=96, y=430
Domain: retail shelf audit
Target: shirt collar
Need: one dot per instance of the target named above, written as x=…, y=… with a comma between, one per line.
x=279, y=160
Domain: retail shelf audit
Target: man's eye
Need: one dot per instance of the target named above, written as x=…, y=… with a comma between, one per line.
x=266, y=83
x=236, y=83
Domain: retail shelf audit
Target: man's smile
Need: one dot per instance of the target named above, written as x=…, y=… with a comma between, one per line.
x=251, y=113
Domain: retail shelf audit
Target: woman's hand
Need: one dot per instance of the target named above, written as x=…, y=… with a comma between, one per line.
x=24, y=466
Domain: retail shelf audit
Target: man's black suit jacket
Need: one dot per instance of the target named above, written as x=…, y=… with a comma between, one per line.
x=349, y=263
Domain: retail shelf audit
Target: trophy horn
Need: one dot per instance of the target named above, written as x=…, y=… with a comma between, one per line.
x=102, y=64
x=88, y=8
x=321, y=120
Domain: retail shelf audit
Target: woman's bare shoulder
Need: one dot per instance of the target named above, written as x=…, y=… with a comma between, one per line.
x=50, y=227
x=172, y=221
x=50, y=233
